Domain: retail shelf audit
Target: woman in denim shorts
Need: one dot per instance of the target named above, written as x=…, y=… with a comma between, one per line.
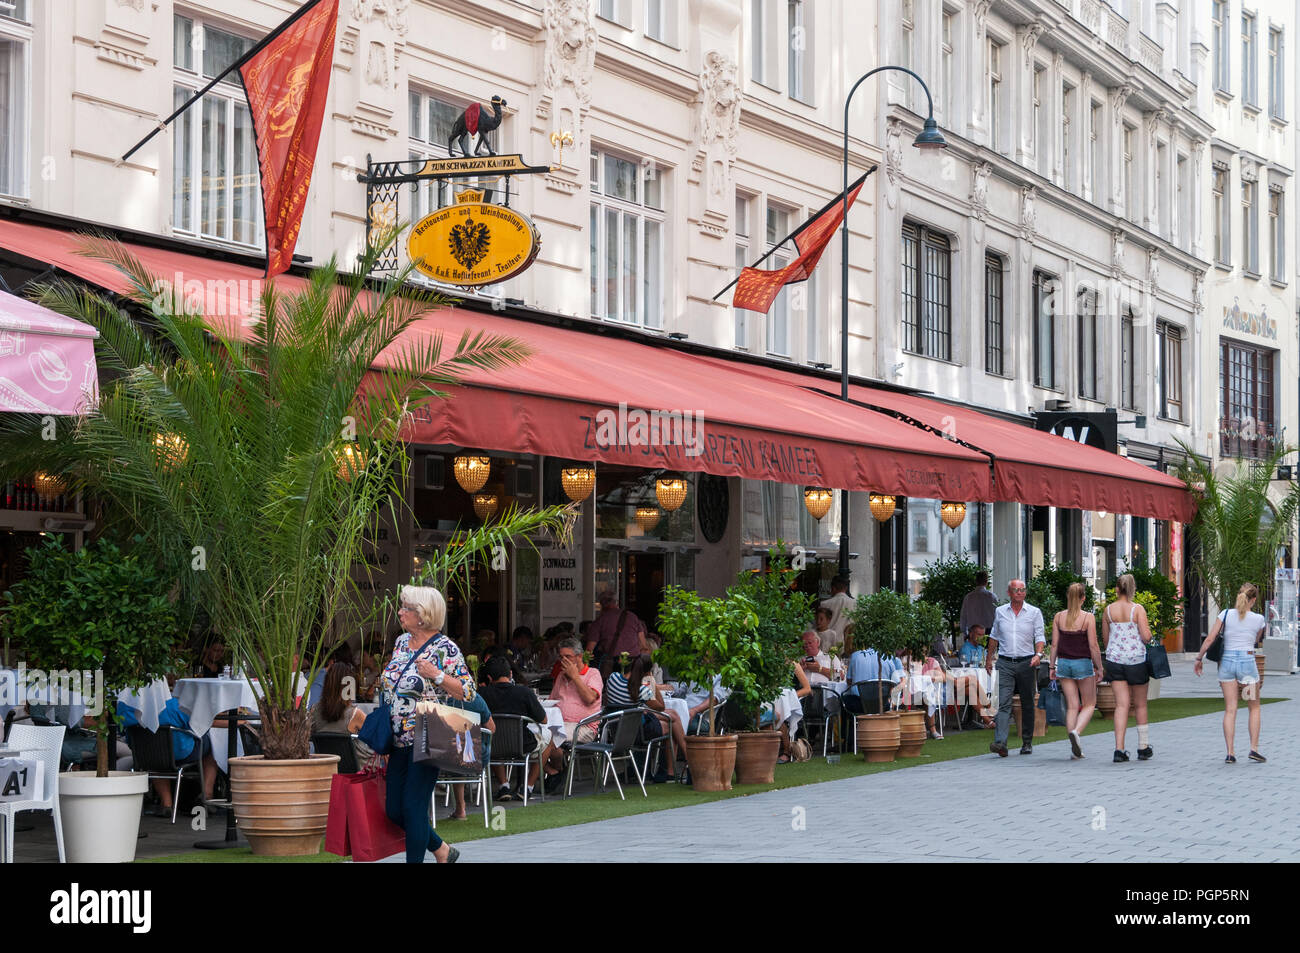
x=1124, y=624
x=1242, y=630
x=1076, y=663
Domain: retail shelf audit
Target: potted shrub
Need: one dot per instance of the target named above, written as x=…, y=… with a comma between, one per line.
x=927, y=622
x=945, y=583
x=887, y=624
x=703, y=639
x=783, y=614
x=103, y=610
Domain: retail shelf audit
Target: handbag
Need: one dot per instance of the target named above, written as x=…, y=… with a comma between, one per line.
x=1215, y=653
x=448, y=737
x=1158, y=661
x=358, y=825
x=1052, y=700
x=377, y=730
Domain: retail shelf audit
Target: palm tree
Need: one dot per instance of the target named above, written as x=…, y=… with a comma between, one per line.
x=1239, y=530
x=257, y=461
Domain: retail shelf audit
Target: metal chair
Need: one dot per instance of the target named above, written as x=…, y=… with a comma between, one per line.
x=152, y=752
x=702, y=721
x=481, y=780
x=42, y=744
x=626, y=724
x=823, y=707
x=339, y=743
x=649, y=744
x=510, y=748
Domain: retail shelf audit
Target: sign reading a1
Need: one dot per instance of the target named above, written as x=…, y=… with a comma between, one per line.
x=470, y=244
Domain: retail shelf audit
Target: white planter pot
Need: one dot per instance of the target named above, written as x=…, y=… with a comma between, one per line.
x=1153, y=688
x=101, y=816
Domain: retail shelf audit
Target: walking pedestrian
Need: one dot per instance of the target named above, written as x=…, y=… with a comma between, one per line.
x=1242, y=631
x=1127, y=634
x=1076, y=664
x=1017, y=628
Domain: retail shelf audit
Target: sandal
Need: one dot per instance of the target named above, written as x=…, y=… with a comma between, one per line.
x=784, y=759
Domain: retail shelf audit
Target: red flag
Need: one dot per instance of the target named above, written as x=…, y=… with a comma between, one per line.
x=758, y=287
x=287, y=82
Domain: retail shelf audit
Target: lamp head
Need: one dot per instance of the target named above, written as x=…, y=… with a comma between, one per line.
x=930, y=136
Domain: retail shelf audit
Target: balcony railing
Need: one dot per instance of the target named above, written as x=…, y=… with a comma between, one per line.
x=1246, y=437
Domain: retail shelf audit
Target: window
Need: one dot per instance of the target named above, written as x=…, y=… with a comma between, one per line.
x=216, y=186
x=1219, y=30
x=1161, y=183
x=1098, y=155
x=659, y=20
x=1039, y=127
x=15, y=47
x=1246, y=426
x=1277, y=233
x=800, y=41
x=431, y=121
x=1249, y=229
x=1067, y=154
x=1276, y=74
x=617, y=10
x=1044, y=330
x=921, y=533
x=1222, y=223
x=742, y=259
x=996, y=142
x=778, y=316
x=1088, y=343
x=906, y=54
x=947, y=107
x=1249, y=60
x=627, y=225
x=1169, y=340
x=993, y=315
x=927, y=292
x=1127, y=363
x=1183, y=205
x=1130, y=198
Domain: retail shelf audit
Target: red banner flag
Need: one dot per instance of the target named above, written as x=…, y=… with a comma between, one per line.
x=758, y=287
x=287, y=83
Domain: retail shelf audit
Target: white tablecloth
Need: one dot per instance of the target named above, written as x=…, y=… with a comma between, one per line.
x=148, y=701
x=220, y=753
x=13, y=695
x=988, y=703
x=554, y=727
x=205, y=698
x=679, y=705
x=788, y=710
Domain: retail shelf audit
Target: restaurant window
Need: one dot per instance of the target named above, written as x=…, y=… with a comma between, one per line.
x=1127, y=363
x=1044, y=330
x=930, y=539
x=627, y=226
x=1087, y=321
x=994, y=357
x=1222, y=221
x=1249, y=229
x=1246, y=417
x=216, y=187
x=1249, y=60
x=1277, y=233
x=743, y=204
x=773, y=512
x=15, y=53
x=432, y=119
x=1169, y=342
x=927, y=292
x=1219, y=39
x=1276, y=74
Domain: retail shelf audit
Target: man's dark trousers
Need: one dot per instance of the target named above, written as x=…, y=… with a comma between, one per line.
x=1015, y=677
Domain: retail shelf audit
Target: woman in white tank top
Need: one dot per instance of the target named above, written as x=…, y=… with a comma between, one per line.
x=1124, y=624
x=1241, y=629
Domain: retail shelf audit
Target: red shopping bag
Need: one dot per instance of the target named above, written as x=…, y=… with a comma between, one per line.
x=371, y=835
x=336, y=826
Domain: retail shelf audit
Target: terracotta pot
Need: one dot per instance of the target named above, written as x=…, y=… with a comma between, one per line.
x=712, y=761
x=756, y=754
x=1172, y=640
x=911, y=733
x=1105, y=701
x=1040, y=718
x=282, y=806
x=1259, y=667
x=878, y=736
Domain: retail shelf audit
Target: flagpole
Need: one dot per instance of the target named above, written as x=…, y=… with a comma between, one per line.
x=253, y=51
x=811, y=218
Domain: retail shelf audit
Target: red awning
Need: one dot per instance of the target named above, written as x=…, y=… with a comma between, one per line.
x=1031, y=466
x=582, y=396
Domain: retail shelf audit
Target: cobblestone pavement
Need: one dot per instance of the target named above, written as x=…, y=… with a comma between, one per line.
x=1183, y=805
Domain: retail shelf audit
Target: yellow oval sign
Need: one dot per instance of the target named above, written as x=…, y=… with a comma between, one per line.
x=473, y=244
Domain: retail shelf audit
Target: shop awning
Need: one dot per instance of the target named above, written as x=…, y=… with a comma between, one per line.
x=47, y=361
x=1030, y=466
x=583, y=394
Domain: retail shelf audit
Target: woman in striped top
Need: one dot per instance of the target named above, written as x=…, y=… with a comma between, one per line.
x=636, y=671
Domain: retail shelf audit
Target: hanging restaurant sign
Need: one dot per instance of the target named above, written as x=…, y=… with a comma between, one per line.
x=471, y=243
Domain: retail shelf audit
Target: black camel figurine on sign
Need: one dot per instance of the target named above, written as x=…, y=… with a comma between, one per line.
x=476, y=120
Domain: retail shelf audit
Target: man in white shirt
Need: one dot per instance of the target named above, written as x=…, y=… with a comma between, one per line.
x=1017, y=642
x=816, y=663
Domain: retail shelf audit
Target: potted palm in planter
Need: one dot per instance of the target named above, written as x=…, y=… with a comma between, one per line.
x=257, y=460
x=887, y=624
x=783, y=613
x=704, y=639
x=96, y=610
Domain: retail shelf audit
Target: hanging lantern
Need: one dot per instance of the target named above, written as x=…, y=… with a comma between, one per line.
x=349, y=461
x=578, y=482
x=48, y=486
x=952, y=513
x=485, y=505
x=670, y=490
x=472, y=471
x=818, y=500
x=171, y=449
x=882, y=506
x=647, y=517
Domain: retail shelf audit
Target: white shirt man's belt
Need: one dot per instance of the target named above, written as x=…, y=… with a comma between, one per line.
x=1016, y=635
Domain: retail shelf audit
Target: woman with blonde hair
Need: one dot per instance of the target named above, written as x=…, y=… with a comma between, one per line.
x=1076, y=663
x=1242, y=630
x=425, y=664
x=1127, y=634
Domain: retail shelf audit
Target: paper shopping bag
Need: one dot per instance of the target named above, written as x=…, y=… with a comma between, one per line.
x=372, y=835
x=449, y=738
x=336, y=827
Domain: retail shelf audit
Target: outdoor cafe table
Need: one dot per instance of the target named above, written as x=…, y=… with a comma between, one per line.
x=149, y=701
x=205, y=698
x=554, y=722
x=15, y=695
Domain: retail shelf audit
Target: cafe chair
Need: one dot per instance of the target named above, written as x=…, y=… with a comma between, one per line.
x=151, y=751
x=702, y=720
x=509, y=749
x=339, y=743
x=653, y=746
x=822, y=709
x=42, y=744
x=481, y=780
x=625, y=726
x=871, y=705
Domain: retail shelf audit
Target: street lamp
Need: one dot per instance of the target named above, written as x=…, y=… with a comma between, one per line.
x=929, y=138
